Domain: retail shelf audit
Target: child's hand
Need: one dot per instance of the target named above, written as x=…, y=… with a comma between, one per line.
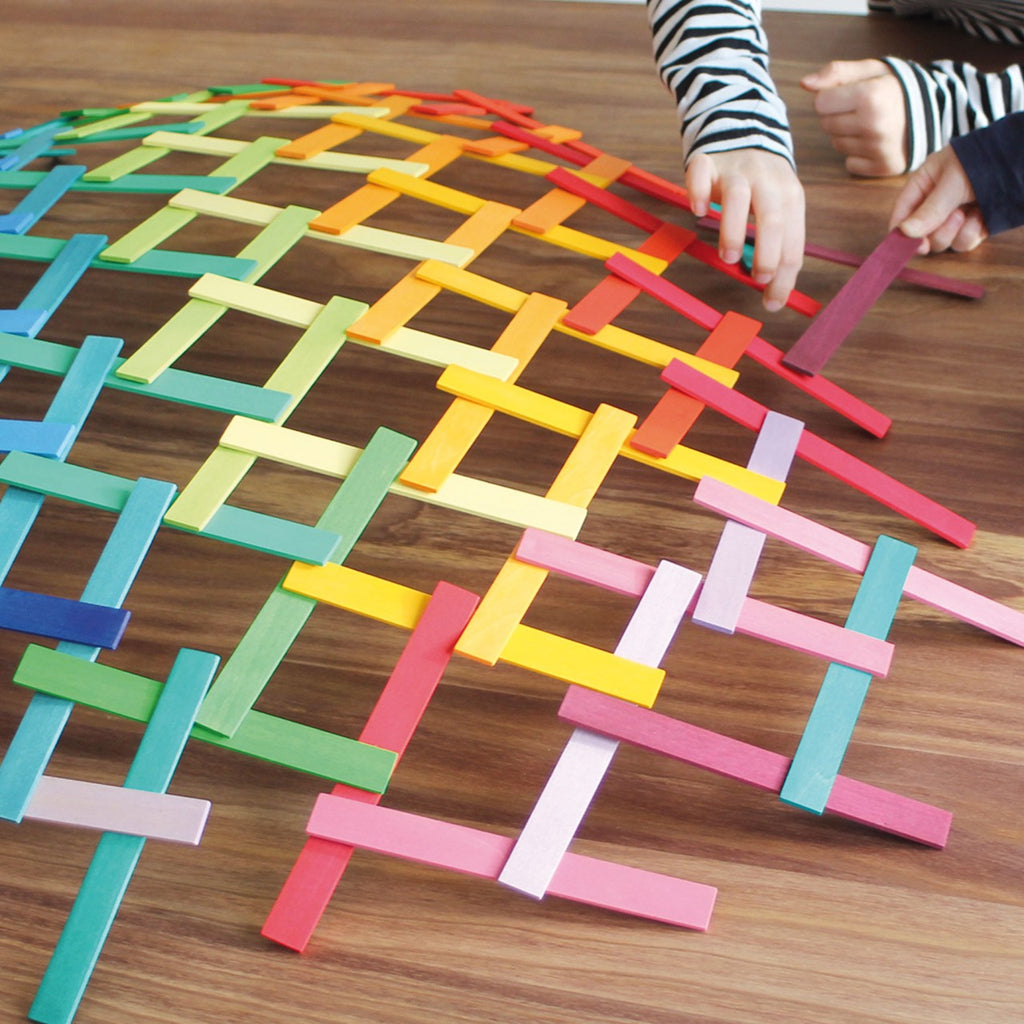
x=860, y=105
x=746, y=181
x=937, y=206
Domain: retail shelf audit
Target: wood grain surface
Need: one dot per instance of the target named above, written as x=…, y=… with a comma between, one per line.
x=817, y=919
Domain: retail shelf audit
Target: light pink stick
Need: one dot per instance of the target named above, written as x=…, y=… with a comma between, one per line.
x=176, y=819
x=814, y=636
x=848, y=553
x=481, y=854
x=744, y=762
x=582, y=562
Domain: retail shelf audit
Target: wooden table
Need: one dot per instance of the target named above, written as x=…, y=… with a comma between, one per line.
x=816, y=919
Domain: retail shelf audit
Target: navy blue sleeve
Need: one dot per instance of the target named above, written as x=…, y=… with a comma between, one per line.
x=993, y=158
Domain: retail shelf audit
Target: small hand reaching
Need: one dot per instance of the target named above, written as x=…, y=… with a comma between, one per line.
x=860, y=105
x=746, y=181
x=937, y=205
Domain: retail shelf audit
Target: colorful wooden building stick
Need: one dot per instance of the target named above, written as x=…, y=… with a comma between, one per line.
x=391, y=725
x=833, y=460
x=813, y=349
x=586, y=758
x=727, y=581
x=517, y=583
x=113, y=864
x=828, y=730
x=734, y=759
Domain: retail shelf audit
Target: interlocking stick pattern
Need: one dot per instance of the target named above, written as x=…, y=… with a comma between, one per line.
x=253, y=157
x=614, y=339
x=558, y=205
x=53, y=286
x=209, y=116
x=758, y=619
x=167, y=221
x=231, y=397
x=516, y=584
x=764, y=769
x=161, y=261
x=43, y=722
x=602, y=198
x=562, y=418
x=761, y=351
x=545, y=653
x=279, y=741
x=369, y=199
x=72, y=404
x=411, y=294
x=279, y=621
x=94, y=805
x=186, y=326
x=113, y=863
x=848, y=553
x=830, y=328
x=61, y=619
x=319, y=868
x=611, y=295
x=389, y=243
x=826, y=456
x=481, y=854
x=675, y=413
x=463, y=421
x=830, y=726
x=731, y=572
x=458, y=493
x=559, y=810
x=223, y=470
x=41, y=198
x=464, y=202
x=406, y=342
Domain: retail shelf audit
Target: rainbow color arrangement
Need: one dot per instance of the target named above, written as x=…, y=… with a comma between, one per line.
x=609, y=695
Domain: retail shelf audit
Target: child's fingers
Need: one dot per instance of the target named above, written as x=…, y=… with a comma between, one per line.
x=842, y=72
x=700, y=179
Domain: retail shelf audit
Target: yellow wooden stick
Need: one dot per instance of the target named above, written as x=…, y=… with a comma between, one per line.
x=454, y=434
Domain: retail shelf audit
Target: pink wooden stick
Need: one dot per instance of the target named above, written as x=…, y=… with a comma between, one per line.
x=761, y=351
x=481, y=854
x=833, y=324
x=766, y=622
x=744, y=762
x=821, y=453
x=391, y=725
x=814, y=538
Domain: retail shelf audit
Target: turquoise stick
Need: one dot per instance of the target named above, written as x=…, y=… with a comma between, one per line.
x=45, y=717
x=41, y=199
x=72, y=404
x=58, y=279
x=85, y=932
x=181, y=386
x=843, y=691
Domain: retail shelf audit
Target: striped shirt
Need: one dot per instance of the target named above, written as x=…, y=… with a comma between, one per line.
x=713, y=57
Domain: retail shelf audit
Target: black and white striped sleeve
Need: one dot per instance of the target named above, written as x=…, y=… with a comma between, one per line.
x=946, y=99
x=998, y=21
x=713, y=57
